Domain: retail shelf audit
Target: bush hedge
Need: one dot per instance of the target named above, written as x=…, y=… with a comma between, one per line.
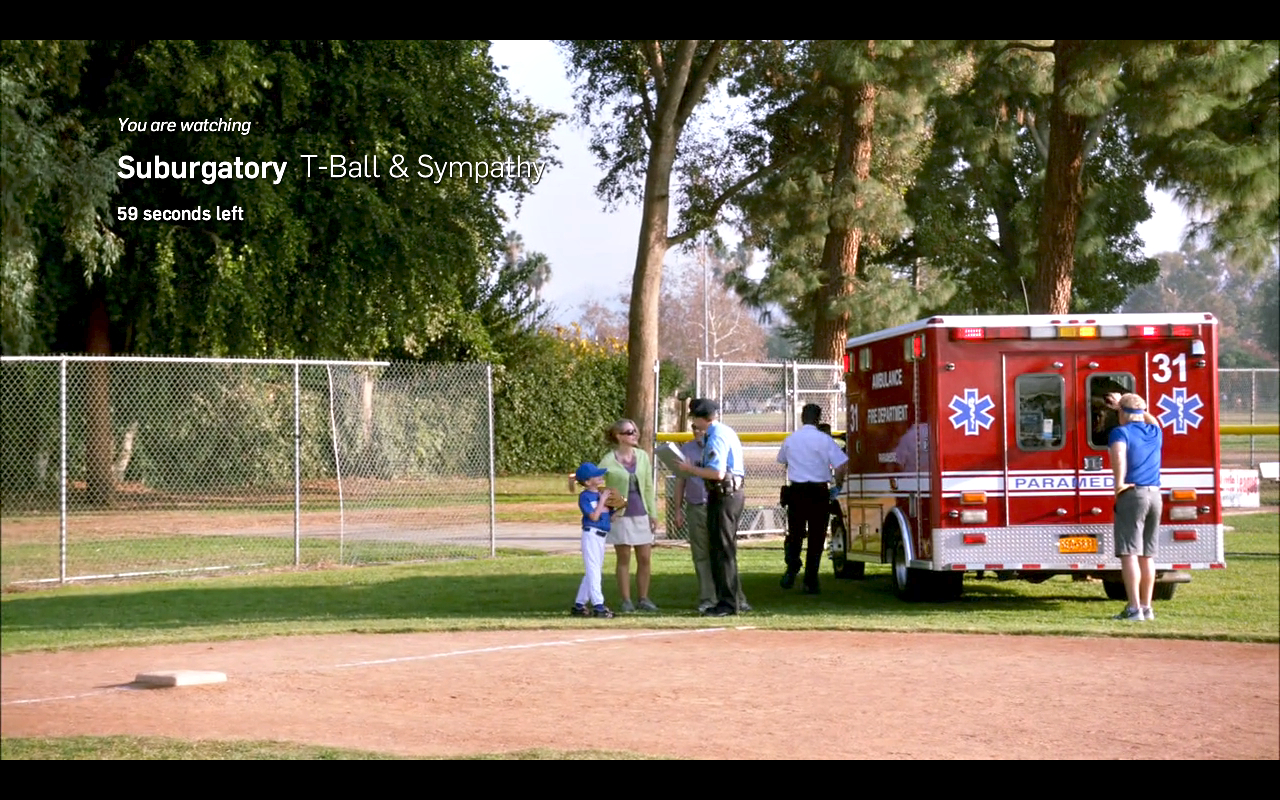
x=554, y=401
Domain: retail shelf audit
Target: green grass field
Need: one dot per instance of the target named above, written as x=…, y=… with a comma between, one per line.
x=527, y=590
x=134, y=748
x=524, y=590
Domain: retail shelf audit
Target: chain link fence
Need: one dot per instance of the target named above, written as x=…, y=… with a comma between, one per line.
x=1249, y=397
x=116, y=467
x=765, y=397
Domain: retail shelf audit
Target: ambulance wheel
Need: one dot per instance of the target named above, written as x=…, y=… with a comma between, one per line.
x=1115, y=590
x=908, y=583
x=1163, y=591
x=846, y=569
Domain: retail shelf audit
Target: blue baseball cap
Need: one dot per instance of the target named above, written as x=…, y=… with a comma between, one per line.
x=587, y=471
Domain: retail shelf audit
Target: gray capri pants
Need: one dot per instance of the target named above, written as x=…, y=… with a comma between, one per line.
x=1137, y=517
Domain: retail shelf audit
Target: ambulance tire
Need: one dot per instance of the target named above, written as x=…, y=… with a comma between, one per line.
x=847, y=569
x=908, y=583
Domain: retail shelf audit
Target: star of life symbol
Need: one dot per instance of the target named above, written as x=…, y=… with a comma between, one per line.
x=971, y=412
x=1180, y=411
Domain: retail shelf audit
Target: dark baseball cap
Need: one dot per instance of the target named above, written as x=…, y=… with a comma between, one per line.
x=704, y=407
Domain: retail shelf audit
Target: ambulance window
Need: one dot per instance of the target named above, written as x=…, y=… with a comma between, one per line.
x=1040, y=412
x=1101, y=418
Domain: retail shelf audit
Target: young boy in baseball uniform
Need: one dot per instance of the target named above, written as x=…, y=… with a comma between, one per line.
x=595, y=527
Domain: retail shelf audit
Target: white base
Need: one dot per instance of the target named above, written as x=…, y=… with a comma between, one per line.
x=179, y=677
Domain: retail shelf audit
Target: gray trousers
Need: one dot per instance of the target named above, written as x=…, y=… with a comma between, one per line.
x=695, y=526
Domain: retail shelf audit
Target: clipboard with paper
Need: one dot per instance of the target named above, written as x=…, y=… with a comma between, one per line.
x=669, y=455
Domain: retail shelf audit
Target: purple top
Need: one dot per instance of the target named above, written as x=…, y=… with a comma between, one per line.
x=635, y=503
x=695, y=489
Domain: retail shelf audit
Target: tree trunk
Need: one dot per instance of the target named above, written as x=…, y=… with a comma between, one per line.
x=844, y=237
x=646, y=287
x=1063, y=194
x=99, y=444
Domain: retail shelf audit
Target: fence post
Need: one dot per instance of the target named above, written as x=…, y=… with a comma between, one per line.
x=62, y=480
x=493, y=515
x=1253, y=412
x=297, y=468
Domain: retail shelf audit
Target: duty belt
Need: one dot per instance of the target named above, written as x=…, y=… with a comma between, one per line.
x=729, y=485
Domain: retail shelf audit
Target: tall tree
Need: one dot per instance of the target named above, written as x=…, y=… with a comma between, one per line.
x=320, y=265
x=976, y=206
x=641, y=96
x=1167, y=94
x=843, y=124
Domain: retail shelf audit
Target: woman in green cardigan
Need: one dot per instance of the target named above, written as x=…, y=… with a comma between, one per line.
x=630, y=474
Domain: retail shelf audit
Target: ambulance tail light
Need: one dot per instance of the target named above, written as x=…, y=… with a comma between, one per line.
x=1184, y=536
x=965, y=334
x=1183, y=495
x=1164, y=331
x=975, y=538
x=973, y=498
x=1183, y=513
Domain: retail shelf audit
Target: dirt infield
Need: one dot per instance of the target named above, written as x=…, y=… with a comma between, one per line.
x=706, y=693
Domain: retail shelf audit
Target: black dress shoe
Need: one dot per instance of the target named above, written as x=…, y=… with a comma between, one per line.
x=721, y=611
x=811, y=588
x=788, y=580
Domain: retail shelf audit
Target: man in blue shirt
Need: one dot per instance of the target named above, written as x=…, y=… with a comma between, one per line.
x=1135, y=464
x=722, y=470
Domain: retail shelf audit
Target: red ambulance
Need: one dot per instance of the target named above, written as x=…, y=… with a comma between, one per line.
x=979, y=444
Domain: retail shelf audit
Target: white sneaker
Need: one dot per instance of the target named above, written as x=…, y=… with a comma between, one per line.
x=1148, y=613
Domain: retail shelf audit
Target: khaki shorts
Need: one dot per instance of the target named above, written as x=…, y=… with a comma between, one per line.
x=630, y=531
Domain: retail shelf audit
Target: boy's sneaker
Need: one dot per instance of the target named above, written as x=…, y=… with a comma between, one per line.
x=602, y=611
x=1148, y=613
x=579, y=610
x=647, y=605
x=626, y=607
x=1130, y=614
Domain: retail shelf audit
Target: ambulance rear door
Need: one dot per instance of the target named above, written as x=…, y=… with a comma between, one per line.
x=1056, y=467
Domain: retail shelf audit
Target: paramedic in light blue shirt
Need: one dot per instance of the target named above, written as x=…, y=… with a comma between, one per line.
x=722, y=470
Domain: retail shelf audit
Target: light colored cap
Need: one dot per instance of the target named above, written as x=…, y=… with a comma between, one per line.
x=1133, y=403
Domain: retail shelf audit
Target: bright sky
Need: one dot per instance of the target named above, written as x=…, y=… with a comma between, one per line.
x=592, y=252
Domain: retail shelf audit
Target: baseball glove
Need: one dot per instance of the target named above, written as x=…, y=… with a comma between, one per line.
x=615, y=502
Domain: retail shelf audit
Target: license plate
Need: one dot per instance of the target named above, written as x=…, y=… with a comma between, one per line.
x=1077, y=544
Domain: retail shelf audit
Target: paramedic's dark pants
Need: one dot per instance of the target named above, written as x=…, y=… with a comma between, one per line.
x=808, y=511
x=724, y=511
